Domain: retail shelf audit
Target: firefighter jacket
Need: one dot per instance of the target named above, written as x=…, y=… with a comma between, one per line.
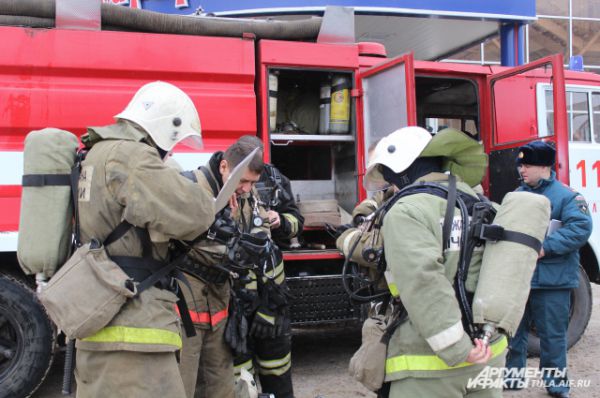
x=123, y=178
x=373, y=203
x=368, y=236
x=559, y=268
x=280, y=188
x=208, y=302
x=432, y=342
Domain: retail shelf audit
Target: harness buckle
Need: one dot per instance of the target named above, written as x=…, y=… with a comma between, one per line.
x=491, y=232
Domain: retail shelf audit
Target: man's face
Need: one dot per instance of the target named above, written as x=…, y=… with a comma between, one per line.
x=533, y=174
x=246, y=182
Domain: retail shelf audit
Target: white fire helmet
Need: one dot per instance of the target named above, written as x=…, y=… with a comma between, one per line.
x=166, y=113
x=397, y=151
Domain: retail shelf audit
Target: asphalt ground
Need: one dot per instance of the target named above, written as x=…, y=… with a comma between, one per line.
x=320, y=359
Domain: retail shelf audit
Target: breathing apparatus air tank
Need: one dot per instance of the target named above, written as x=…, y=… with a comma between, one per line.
x=324, y=107
x=507, y=266
x=273, y=85
x=46, y=215
x=339, y=121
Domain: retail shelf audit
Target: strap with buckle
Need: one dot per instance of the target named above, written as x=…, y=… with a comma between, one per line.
x=496, y=233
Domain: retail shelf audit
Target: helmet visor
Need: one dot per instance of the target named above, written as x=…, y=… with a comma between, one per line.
x=193, y=141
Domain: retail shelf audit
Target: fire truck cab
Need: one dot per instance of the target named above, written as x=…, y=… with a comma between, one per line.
x=72, y=79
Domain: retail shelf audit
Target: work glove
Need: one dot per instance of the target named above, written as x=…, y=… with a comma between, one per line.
x=248, y=301
x=268, y=324
x=236, y=329
x=275, y=296
x=334, y=231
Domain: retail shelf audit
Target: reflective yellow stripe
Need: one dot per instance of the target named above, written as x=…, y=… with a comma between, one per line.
x=275, y=372
x=278, y=270
x=403, y=363
x=277, y=275
x=274, y=363
x=371, y=203
x=393, y=289
x=251, y=285
x=270, y=319
x=124, y=334
x=389, y=278
x=244, y=365
x=293, y=224
x=348, y=241
x=279, y=280
x=275, y=367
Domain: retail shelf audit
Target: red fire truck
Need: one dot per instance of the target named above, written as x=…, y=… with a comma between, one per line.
x=71, y=79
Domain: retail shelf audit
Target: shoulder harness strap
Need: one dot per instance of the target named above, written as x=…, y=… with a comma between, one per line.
x=190, y=175
x=210, y=179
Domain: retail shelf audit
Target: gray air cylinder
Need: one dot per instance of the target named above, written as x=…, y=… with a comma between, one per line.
x=339, y=121
x=46, y=215
x=324, y=108
x=507, y=267
x=273, y=83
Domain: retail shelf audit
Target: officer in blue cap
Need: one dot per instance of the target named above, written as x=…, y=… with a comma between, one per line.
x=557, y=271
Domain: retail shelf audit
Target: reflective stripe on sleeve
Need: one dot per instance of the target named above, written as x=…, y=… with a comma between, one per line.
x=125, y=334
x=393, y=289
x=415, y=363
x=248, y=365
x=389, y=279
x=275, y=372
x=252, y=285
x=372, y=203
x=275, y=367
x=293, y=224
x=277, y=274
x=348, y=241
x=268, y=318
x=446, y=337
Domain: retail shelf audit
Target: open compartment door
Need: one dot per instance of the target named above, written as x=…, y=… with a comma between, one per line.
x=388, y=101
x=514, y=119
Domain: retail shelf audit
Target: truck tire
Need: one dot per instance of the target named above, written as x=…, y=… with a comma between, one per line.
x=27, y=339
x=579, y=316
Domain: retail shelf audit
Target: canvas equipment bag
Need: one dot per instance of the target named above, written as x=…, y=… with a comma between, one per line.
x=90, y=289
x=367, y=365
x=87, y=292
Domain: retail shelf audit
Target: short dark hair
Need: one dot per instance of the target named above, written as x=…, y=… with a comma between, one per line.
x=252, y=140
x=239, y=150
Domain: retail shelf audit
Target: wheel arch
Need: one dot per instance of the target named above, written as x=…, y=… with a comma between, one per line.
x=589, y=262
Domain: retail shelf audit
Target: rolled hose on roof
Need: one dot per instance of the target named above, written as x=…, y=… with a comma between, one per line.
x=38, y=13
x=32, y=22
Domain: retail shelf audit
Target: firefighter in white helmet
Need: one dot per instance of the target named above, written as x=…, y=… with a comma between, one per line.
x=124, y=182
x=429, y=353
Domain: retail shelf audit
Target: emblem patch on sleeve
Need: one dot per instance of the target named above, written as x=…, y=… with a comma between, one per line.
x=582, y=204
x=84, y=188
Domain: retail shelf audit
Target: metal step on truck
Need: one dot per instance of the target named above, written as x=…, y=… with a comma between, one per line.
x=316, y=99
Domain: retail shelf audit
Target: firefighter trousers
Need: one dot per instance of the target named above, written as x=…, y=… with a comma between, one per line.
x=273, y=359
x=125, y=374
x=207, y=365
x=452, y=386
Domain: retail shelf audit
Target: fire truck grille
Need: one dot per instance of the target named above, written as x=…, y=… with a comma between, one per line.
x=321, y=299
